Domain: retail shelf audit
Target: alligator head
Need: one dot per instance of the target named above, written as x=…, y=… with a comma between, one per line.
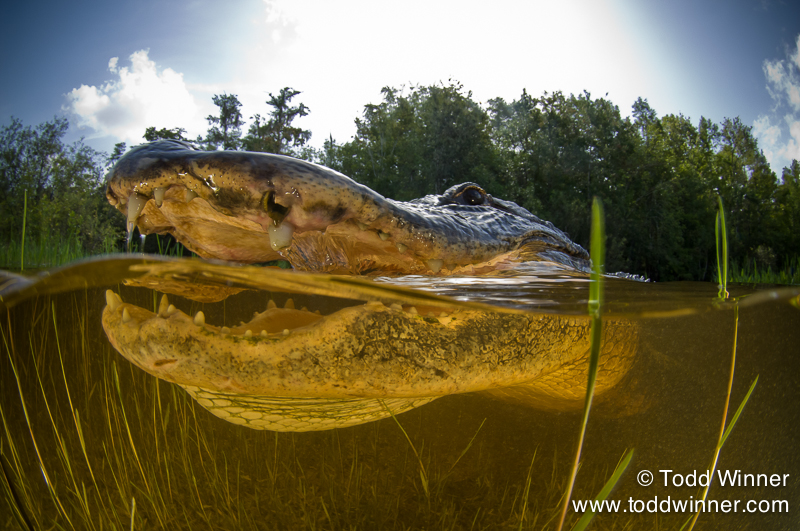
x=257, y=207
x=290, y=369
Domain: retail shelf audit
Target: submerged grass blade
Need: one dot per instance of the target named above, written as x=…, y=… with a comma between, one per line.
x=722, y=270
x=598, y=254
x=605, y=491
x=422, y=474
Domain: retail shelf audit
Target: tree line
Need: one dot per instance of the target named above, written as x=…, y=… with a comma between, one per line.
x=658, y=176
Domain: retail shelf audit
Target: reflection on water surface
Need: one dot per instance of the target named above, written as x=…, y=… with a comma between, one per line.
x=86, y=434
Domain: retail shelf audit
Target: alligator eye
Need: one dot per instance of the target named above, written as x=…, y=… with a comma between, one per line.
x=274, y=210
x=472, y=196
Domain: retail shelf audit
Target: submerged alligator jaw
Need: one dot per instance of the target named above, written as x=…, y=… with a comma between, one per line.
x=256, y=207
x=293, y=370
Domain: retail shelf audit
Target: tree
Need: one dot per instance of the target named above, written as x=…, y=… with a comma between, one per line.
x=424, y=142
x=151, y=134
x=63, y=184
x=226, y=129
x=277, y=135
x=119, y=150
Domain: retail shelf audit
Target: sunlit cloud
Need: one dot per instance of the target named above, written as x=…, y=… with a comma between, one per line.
x=778, y=132
x=143, y=95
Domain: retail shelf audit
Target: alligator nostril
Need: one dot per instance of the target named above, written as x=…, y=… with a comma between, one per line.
x=161, y=363
x=274, y=210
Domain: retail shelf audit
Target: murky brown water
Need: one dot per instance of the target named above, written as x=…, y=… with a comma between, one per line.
x=85, y=434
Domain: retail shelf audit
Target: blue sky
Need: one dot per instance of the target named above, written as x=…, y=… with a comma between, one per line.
x=115, y=68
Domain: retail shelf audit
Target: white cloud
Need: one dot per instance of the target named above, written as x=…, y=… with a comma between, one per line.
x=783, y=85
x=142, y=96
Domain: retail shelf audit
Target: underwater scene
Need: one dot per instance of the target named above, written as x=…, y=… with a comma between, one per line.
x=147, y=393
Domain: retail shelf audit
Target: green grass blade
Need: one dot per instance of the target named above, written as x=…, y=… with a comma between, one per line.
x=738, y=412
x=722, y=254
x=597, y=253
x=606, y=490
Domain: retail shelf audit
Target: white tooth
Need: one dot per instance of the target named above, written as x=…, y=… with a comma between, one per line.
x=126, y=317
x=384, y=235
x=451, y=267
x=225, y=330
x=289, y=304
x=248, y=333
x=158, y=195
x=317, y=312
x=434, y=265
x=271, y=304
x=362, y=226
x=402, y=248
x=172, y=309
x=396, y=306
x=199, y=319
x=190, y=194
x=136, y=203
x=112, y=300
x=163, y=306
x=286, y=331
x=304, y=309
x=280, y=236
x=412, y=310
x=263, y=333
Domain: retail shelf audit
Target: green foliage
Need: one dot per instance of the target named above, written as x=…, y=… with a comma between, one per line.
x=417, y=144
x=277, y=135
x=151, y=134
x=225, y=130
x=66, y=203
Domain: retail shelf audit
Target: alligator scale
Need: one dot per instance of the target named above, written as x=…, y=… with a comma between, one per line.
x=296, y=370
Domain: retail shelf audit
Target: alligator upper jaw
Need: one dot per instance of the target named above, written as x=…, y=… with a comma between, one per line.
x=255, y=207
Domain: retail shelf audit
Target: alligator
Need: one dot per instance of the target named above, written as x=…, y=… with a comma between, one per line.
x=290, y=369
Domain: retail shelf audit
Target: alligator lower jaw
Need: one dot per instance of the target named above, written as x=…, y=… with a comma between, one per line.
x=277, y=353
x=347, y=247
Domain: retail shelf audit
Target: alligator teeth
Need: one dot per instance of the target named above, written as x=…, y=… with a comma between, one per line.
x=225, y=330
x=126, y=317
x=172, y=309
x=248, y=333
x=412, y=310
x=362, y=226
x=199, y=319
x=190, y=194
x=395, y=306
x=434, y=265
x=280, y=235
x=271, y=304
x=136, y=203
x=289, y=304
x=113, y=300
x=158, y=195
x=263, y=333
x=163, y=306
x=286, y=331
x=451, y=267
x=384, y=235
x=402, y=248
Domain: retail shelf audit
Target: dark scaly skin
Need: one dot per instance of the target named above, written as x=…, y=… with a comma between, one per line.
x=292, y=370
